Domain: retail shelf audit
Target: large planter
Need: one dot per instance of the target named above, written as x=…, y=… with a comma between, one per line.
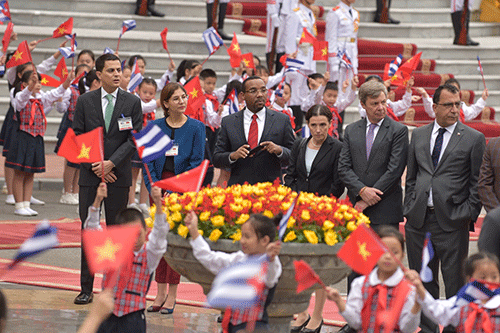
x=286, y=302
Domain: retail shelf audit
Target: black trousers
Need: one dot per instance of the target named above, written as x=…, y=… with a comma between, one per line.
x=115, y=202
x=134, y=322
x=450, y=249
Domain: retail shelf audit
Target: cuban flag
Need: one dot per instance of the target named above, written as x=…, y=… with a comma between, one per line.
x=284, y=220
x=232, y=102
x=152, y=143
x=293, y=64
x=44, y=238
x=108, y=50
x=127, y=25
x=212, y=40
x=67, y=52
x=394, y=65
x=427, y=255
x=135, y=78
x=472, y=291
x=4, y=11
x=306, y=132
x=240, y=286
x=345, y=60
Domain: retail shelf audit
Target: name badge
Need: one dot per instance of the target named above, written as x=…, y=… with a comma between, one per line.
x=125, y=123
x=174, y=151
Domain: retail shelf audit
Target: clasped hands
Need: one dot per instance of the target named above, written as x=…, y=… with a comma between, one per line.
x=244, y=150
x=98, y=168
x=369, y=197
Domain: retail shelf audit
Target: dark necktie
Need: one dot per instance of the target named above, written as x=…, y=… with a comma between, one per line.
x=350, y=12
x=369, y=139
x=253, y=132
x=438, y=144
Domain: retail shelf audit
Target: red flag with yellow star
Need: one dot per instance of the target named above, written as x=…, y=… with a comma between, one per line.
x=21, y=56
x=247, y=59
x=234, y=52
x=196, y=98
x=64, y=29
x=306, y=37
x=84, y=148
x=404, y=72
x=61, y=70
x=362, y=250
x=6, y=36
x=189, y=181
x=49, y=81
x=108, y=250
x=320, y=50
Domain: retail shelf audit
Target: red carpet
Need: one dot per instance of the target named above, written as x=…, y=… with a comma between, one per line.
x=15, y=232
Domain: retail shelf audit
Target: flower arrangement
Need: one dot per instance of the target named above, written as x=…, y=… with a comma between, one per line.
x=221, y=212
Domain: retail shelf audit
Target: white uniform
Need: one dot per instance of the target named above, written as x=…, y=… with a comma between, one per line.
x=458, y=5
x=273, y=21
x=287, y=7
x=470, y=112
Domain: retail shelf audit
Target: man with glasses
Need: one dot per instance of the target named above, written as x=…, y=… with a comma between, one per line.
x=441, y=193
x=254, y=142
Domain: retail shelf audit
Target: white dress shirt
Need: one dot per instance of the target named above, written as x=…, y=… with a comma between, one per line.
x=375, y=130
x=247, y=120
x=104, y=100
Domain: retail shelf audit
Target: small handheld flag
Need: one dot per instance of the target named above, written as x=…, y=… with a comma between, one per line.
x=21, y=56
x=135, y=78
x=163, y=35
x=293, y=63
x=49, y=81
x=126, y=26
x=427, y=255
x=232, y=101
x=83, y=148
x=345, y=60
x=6, y=37
x=320, y=50
x=64, y=29
x=394, y=65
x=61, y=70
x=247, y=59
x=108, y=50
x=305, y=276
x=67, y=52
x=480, y=68
x=44, y=238
x=196, y=98
x=284, y=220
x=234, y=52
x=189, y=181
x=77, y=79
x=212, y=40
x=4, y=12
x=475, y=290
x=306, y=37
x=152, y=143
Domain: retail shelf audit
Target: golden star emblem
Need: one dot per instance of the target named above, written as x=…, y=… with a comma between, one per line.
x=363, y=251
x=107, y=251
x=64, y=72
x=61, y=30
x=44, y=81
x=324, y=51
x=84, y=152
x=18, y=55
x=303, y=35
x=236, y=47
x=246, y=62
x=194, y=93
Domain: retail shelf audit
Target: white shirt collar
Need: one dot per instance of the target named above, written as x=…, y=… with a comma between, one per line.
x=104, y=93
x=368, y=122
x=260, y=114
x=373, y=279
x=305, y=8
x=344, y=6
x=449, y=129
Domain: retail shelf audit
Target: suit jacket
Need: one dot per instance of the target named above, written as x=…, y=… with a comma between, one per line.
x=453, y=182
x=263, y=166
x=118, y=145
x=382, y=170
x=489, y=176
x=323, y=178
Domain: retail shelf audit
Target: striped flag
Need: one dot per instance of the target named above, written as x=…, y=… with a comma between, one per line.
x=284, y=220
x=108, y=50
x=135, y=78
x=232, y=101
x=4, y=11
x=67, y=52
x=44, y=238
x=394, y=65
x=475, y=290
x=427, y=255
x=212, y=40
x=306, y=132
x=127, y=25
x=152, y=143
x=294, y=63
x=345, y=60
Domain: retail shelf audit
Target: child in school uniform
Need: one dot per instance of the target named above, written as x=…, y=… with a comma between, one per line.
x=86, y=57
x=363, y=307
x=476, y=316
x=67, y=106
x=280, y=103
x=187, y=69
x=134, y=279
x=141, y=63
x=257, y=238
x=27, y=153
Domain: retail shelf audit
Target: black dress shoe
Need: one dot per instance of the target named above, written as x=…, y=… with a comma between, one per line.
x=316, y=330
x=297, y=329
x=347, y=329
x=393, y=21
x=84, y=298
x=219, y=319
x=223, y=35
x=156, y=13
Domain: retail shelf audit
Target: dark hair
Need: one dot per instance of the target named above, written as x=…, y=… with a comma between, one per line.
x=100, y=62
x=471, y=263
x=234, y=84
x=132, y=59
x=332, y=86
x=89, y=52
x=184, y=65
x=437, y=94
x=206, y=73
x=452, y=81
x=264, y=226
x=77, y=68
x=319, y=110
x=89, y=79
x=167, y=92
x=25, y=78
x=390, y=231
x=258, y=59
x=314, y=76
x=148, y=80
x=19, y=70
x=130, y=215
x=251, y=78
x=262, y=68
x=374, y=77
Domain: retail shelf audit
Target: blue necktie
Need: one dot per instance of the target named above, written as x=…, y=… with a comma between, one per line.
x=437, y=147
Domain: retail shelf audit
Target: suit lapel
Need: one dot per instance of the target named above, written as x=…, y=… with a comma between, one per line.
x=323, y=151
x=239, y=119
x=360, y=134
x=382, y=132
x=427, y=144
x=268, y=124
x=96, y=100
x=455, y=138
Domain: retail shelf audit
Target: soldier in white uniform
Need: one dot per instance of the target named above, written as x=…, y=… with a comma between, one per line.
x=287, y=7
x=273, y=8
x=301, y=17
x=457, y=7
x=222, y=16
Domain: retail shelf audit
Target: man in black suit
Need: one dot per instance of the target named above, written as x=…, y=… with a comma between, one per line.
x=245, y=130
x=118, y=112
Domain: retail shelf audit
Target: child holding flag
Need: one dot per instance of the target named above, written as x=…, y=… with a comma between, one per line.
x=257, y=238
x=187, y=69
x=27, y=154
x=141, y=63
x=381, y=294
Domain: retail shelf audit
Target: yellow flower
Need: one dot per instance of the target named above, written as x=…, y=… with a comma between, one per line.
x=311, y=236
x=331, y=237
x=200, y=232
x=268, y=213
x=327, y=225
x=188, y=207
x=246, y=203
x=283, y=190
x=170, y=222
x=149, y=222
x=347, y=216
x=342, y=208
x=236, y=236
x=175, y=208
x=257, y=206
x=242, y=219
x=214, y=235
x=291, y=222
x=183, y=230
x=152, y=211
x=204, y=216
x=285, y=205
x=351, y=226
x=236, y=208
x=218, y=221
x=177, y=217
x=305, y=215
x=290, y=236
x=338, y=216
x=328, y=207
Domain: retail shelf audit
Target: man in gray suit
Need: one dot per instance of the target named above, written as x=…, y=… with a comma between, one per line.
x=373, y=158
x=441, y=193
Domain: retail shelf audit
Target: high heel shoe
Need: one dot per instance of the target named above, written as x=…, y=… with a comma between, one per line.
x=167, y=310
x=316, y=330
x=297, y=329
x=155, y=308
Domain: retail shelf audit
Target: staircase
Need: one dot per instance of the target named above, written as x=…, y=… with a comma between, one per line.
x=97, y=23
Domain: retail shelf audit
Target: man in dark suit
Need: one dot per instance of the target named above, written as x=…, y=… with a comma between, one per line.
x=373, y=158
x=118, y=112
x=245, y=130
x=441, y=193
x=489, y=176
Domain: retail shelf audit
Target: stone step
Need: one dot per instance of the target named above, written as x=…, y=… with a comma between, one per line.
x=474, y=82
x=394, y=4
x=408, y=15
x=467, y=67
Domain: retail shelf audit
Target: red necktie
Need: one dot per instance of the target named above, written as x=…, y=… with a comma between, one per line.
x=484, y=318
x=461, y=116
x=253, y=133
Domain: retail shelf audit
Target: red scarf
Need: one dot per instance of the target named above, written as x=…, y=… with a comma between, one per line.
x=478, y=311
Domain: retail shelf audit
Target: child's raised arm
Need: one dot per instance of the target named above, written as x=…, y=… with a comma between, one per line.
x=191, y=221
x=156, y=195
x=93, y=217
x=333, y=295
x=273, y=249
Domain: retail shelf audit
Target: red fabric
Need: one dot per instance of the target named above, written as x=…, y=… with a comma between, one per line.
x=381, y=291
x=84, y=148
x=404, y=72
x=32, y=118
x=320, y=50
x=64, y=29
x=189, y=181
x=391, y=114
x=61, y=70
x=333, y=131
x=234, y=52
x=306, y=37
x=247, y=58
x=253, y=133
x=75, y=93
x=6, y=36
x=305, y=276
x=147, y=117
x=49, y=81
x=21, y=56
x=166, y=274
x=476, y=312
x=163, y=35
x=196, y=99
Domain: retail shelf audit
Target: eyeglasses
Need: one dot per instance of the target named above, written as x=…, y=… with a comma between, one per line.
x=254, y=91
x=450, y=105
x=179, y=99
